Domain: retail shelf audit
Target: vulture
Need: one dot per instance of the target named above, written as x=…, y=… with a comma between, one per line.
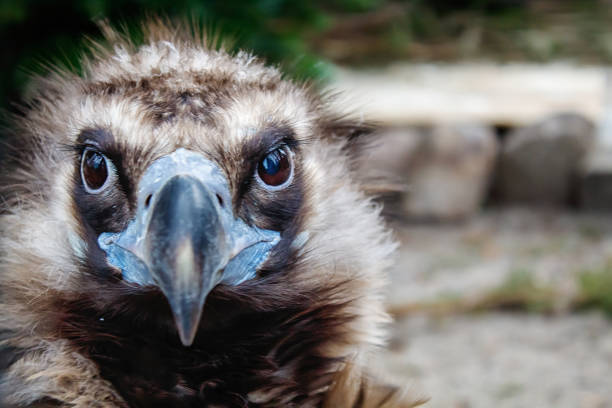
x=183, y=226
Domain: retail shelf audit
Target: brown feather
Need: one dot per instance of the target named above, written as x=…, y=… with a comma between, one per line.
x=79, y=336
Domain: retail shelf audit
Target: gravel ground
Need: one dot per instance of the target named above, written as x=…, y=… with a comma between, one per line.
x=467, y=259
x=501, y=360
x=496, y=359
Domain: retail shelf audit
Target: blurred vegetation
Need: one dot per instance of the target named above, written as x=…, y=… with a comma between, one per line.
x=521, y=292
x=307, y=36
x=596, y=289
x=510, y=30
x=52, y=30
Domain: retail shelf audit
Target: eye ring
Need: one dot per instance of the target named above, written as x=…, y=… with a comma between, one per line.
x=97, y=171
x=275, y=171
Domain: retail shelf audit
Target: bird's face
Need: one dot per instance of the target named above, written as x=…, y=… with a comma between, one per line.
x=200, y=197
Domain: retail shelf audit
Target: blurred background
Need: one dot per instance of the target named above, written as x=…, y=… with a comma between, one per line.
x=496, y=136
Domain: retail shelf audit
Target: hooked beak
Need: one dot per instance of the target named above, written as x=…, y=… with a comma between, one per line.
x=185, y=239
x=184, y=246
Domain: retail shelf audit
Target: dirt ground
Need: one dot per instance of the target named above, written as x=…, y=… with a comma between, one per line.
x=493, y=358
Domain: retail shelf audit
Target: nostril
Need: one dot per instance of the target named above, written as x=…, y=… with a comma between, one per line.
x=219, y=199
x=148, y=200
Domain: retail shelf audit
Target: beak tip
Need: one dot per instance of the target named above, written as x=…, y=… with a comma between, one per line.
x=187, y=327
x=187, y=321
x=186, y=333
x=185, y=340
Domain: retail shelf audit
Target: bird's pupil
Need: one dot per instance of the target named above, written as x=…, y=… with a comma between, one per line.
x=275, y=168
x=95, y=171
x=271, y=163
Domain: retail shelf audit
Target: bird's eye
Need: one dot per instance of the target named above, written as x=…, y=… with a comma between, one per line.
x=95, y=170
x=275, y=170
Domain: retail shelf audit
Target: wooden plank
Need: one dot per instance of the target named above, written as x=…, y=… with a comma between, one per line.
x=509, y=94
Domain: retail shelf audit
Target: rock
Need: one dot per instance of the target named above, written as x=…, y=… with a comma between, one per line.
x=540, y=164
x=449, y=174
x=596, y=191
x=438, y=173
x=389, y=156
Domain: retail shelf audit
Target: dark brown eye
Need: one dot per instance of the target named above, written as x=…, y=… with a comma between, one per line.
x=94, y=170
x=276, y=168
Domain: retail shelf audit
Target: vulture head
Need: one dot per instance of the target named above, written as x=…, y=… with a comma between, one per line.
x=182, y=227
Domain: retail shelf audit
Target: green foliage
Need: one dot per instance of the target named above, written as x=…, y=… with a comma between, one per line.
x=518, y=292
x=35, y=31
x=596, y=289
